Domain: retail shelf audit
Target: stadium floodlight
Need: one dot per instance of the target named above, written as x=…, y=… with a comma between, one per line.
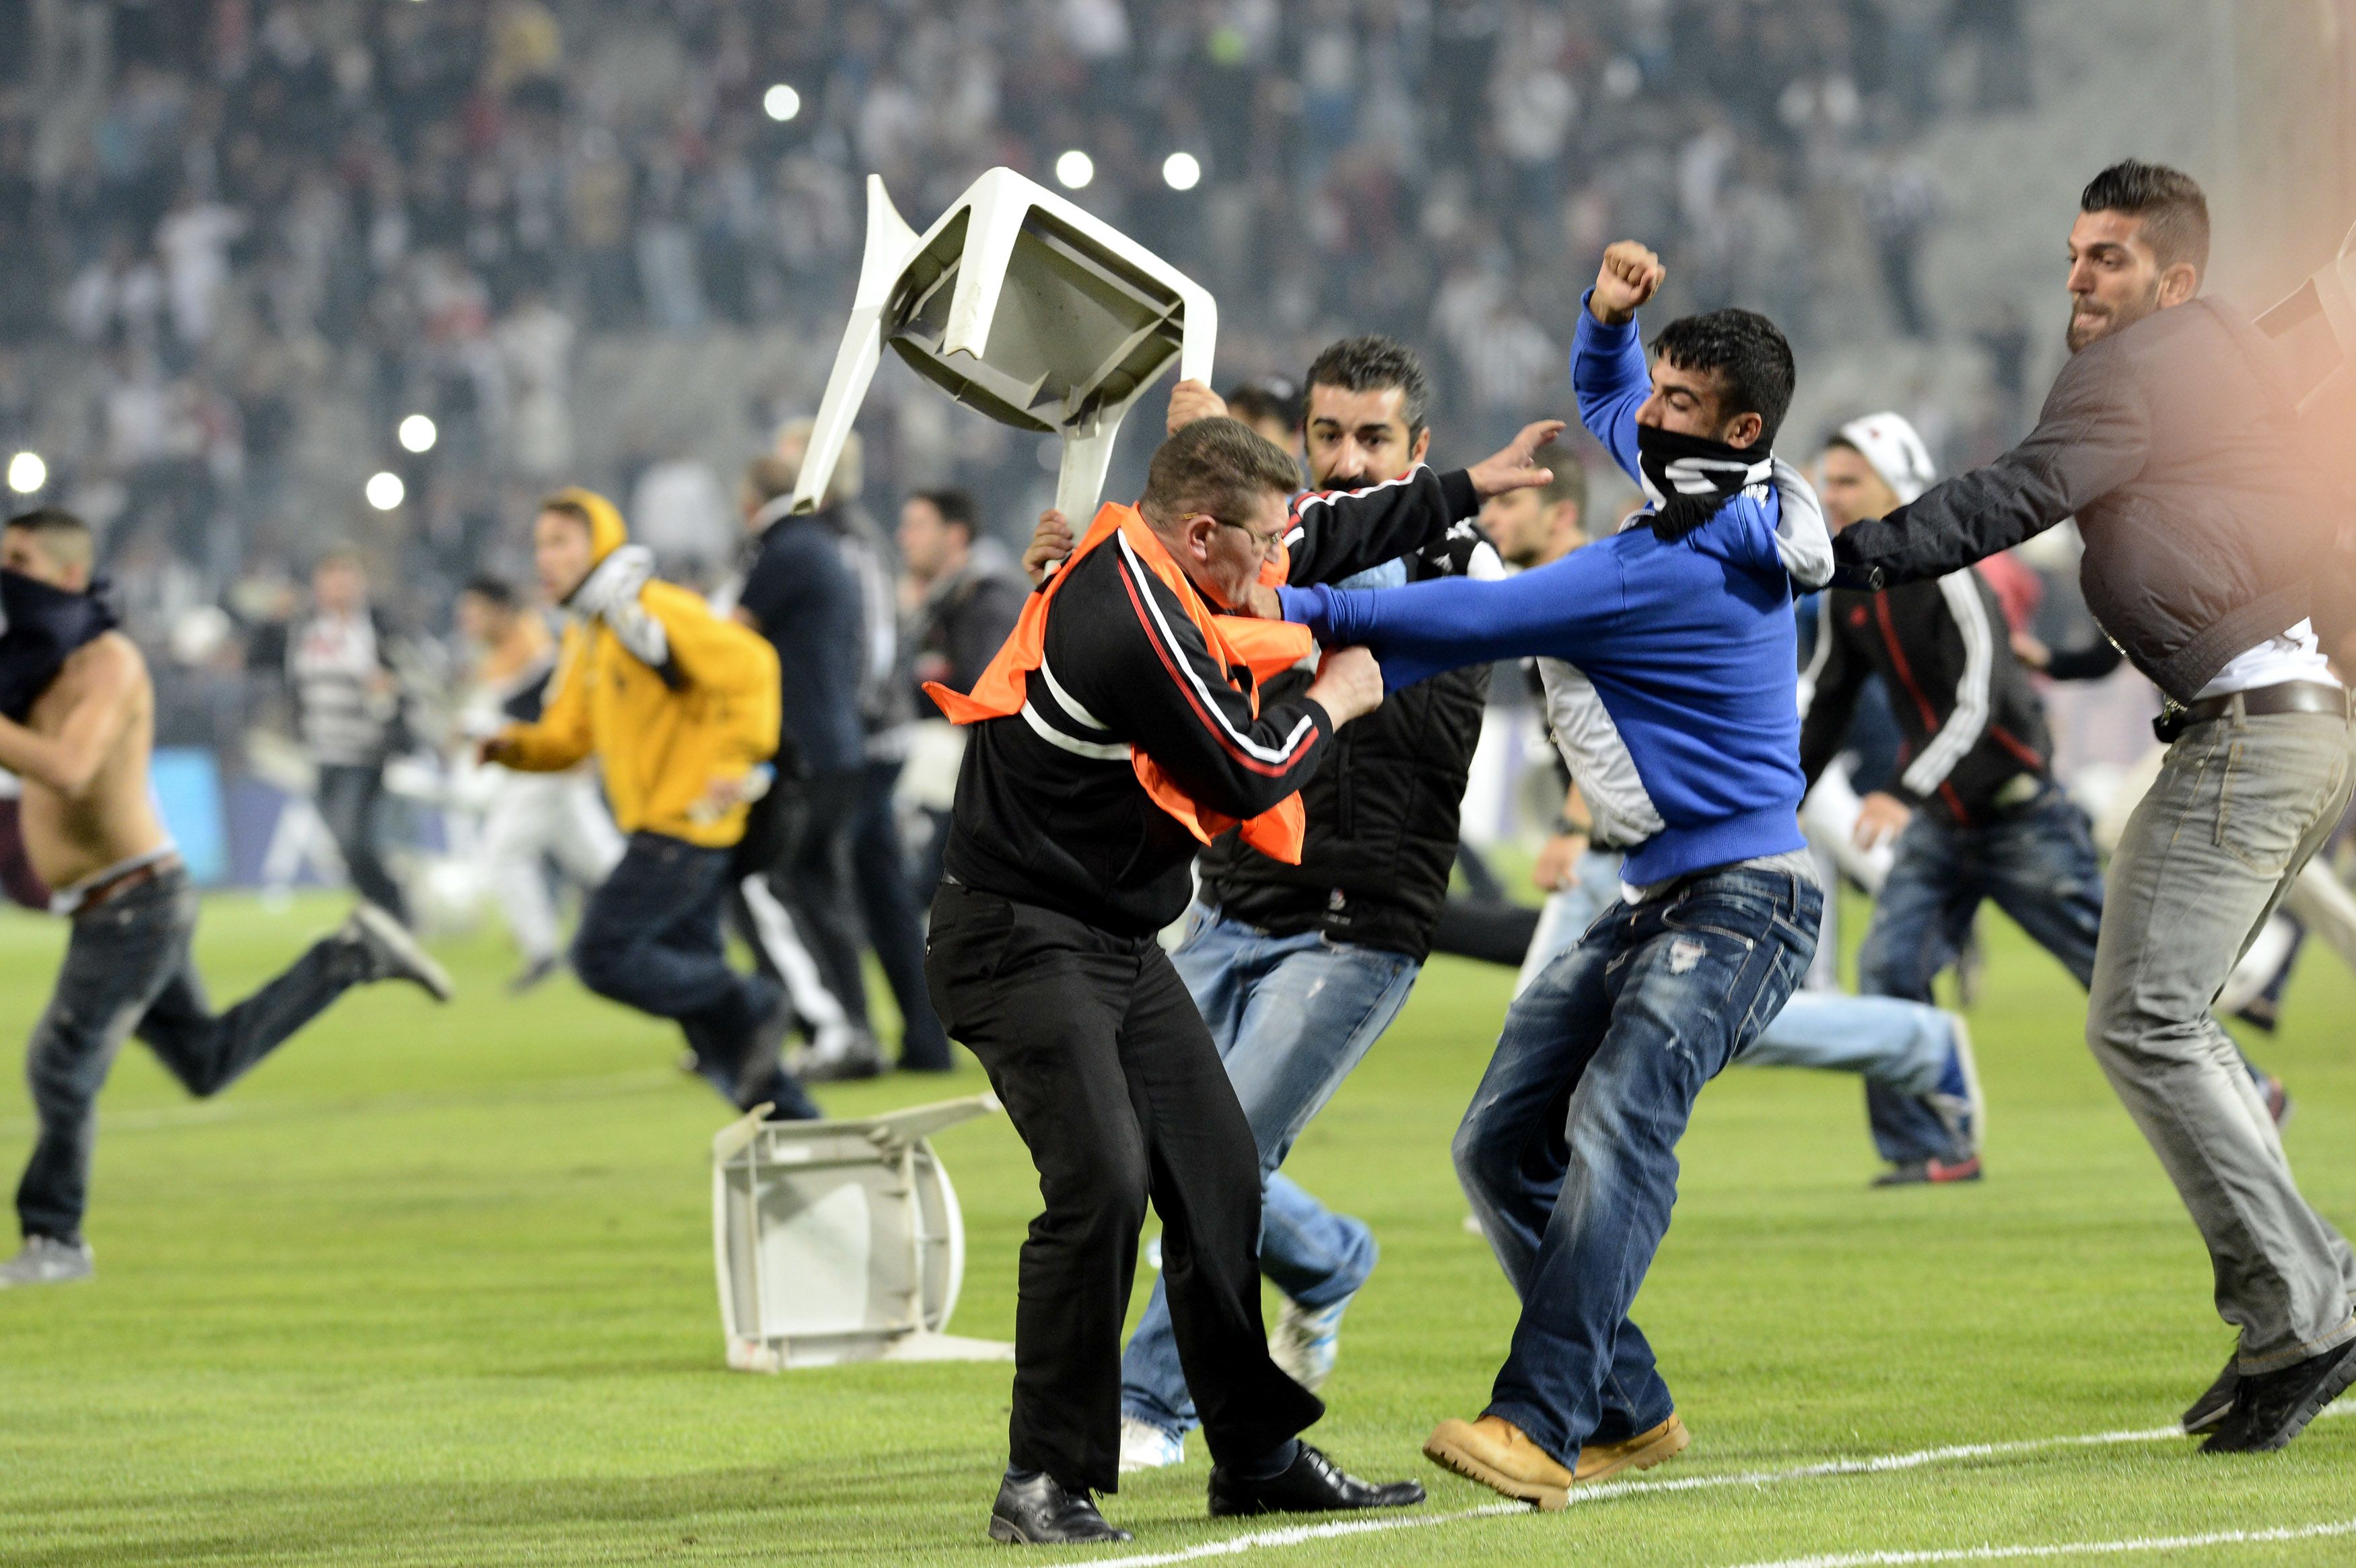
x=1075, y=170
x=1021, y=306
x=417, y=433
x=27, y=473
x=385, y=490
x=840, y=1240
x=1182, y=171
x=781, y=103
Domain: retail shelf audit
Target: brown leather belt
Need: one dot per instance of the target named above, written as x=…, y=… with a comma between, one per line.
x=115, y=887
x=2289, y=696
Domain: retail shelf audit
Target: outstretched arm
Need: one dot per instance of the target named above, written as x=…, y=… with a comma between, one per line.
x=67, y=760
x=1420, y=630
x=2092, y=438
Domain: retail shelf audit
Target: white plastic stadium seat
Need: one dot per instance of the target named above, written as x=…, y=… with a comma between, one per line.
x=840, y=1240
x=2315, y=325
x=1022, y=305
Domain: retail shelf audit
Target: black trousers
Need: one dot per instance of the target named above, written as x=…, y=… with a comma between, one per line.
x=349, y=798
x=815, y=883
x=1111, y=1077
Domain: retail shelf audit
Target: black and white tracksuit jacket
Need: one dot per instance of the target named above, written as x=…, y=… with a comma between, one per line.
x=1969, y=722
x=1048, y=809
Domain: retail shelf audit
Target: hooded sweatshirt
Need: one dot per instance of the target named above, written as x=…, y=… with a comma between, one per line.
x=1671, y=667
x=670, y=697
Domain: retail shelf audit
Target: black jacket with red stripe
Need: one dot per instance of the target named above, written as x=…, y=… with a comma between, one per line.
x=1970, y=722
x=1048, y=809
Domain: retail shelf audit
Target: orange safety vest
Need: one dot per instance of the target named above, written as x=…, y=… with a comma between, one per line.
x=1264, y=647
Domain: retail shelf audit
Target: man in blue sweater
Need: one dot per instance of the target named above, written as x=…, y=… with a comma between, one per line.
x=1671, y=649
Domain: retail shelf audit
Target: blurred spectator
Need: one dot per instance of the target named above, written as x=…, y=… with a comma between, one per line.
x=678, y=511
x=348, y=706
x=961, y=593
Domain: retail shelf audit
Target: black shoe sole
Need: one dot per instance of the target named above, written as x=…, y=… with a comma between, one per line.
x=1007, y=1533
x=2335, y=1383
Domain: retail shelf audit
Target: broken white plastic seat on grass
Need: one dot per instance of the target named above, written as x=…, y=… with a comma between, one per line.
x=1020, y=304
x=840, y=1240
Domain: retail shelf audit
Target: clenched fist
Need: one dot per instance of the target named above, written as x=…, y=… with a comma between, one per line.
x=1349, y=684
x=1630, y=275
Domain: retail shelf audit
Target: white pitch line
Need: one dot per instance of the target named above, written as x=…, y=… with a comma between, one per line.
x=2066, y=1548
x=1297, y=1534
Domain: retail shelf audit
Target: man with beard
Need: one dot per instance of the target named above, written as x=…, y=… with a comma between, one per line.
x=2172, y=437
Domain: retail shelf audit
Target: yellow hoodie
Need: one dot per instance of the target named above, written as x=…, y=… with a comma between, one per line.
x=671, y=697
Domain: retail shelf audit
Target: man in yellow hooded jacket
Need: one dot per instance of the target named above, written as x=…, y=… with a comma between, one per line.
x=680, y=709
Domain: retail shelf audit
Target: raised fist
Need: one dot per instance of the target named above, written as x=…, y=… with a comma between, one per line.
x=1050, y=544
x=1630, y=275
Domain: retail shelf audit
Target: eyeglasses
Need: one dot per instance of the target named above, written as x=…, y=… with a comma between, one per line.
x=1269, y=543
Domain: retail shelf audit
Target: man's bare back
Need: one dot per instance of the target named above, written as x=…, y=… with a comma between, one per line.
x=82, y=753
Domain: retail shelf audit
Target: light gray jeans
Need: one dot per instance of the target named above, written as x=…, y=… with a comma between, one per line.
x=2240, y=805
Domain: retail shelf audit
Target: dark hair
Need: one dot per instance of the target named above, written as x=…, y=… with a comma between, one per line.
x=66, y=537
x=1375, y=363
x=954, y=504
x=1268, y=399
x=1218, y=467
x=492, y=590
x=2175, y=213
x=564, y=506
x=1746, y=352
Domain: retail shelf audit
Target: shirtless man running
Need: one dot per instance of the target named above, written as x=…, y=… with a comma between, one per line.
x=90, y=826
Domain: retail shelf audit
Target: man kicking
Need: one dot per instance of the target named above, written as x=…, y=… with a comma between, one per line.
x=1118, y=730
x=1676, y=637
x=77, y=726
x=2172, y=436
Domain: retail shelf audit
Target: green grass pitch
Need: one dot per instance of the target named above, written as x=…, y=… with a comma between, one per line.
x=433, y=1287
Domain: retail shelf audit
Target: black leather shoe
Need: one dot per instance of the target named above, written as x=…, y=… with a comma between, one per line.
x=1040, y=1512
x=2209, y=1411
x=1311, y=1484
x=2272, y=1408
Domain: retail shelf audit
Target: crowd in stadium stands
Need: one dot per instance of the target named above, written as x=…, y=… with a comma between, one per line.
x=258, y=229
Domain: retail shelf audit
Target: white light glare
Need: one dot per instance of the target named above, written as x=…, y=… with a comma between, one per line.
x=781, y=103
x=1075, y=170
x=27, y=473
x=385, y=491
x=1182, y=171
x=417, y=433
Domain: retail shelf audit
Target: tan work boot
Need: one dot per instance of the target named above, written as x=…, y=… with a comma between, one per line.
x=1501, y=1457
x=1640, y=1452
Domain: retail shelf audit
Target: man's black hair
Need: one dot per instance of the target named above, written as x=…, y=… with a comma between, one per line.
x=955, y=505
x=1375, y=363
x=1267, y=399
x=2175, y=213
x=492, y=590
x=1746, y=352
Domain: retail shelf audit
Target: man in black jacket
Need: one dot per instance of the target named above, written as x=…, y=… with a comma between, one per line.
x=1974, y=812
x=1298, y=969
x=1125, y=719
x=2172, y=436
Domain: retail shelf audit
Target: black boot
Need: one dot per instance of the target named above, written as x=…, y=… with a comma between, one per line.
x=1040, y=1512
x=2272, y=1408
x=1311, y=1484
x=2209, y=1411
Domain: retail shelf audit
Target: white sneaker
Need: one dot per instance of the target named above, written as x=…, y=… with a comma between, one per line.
x=1145, y=1447
x=1306, y=1341
x=46, y=1261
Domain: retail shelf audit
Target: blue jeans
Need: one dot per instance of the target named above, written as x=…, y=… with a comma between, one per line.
x=1291, y=1016
x=2037, y=862
x=1899, y=1047
x=1568, y=1151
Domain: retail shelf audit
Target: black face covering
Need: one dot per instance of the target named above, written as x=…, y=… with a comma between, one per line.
x=40, y=627
x=1688, y=477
